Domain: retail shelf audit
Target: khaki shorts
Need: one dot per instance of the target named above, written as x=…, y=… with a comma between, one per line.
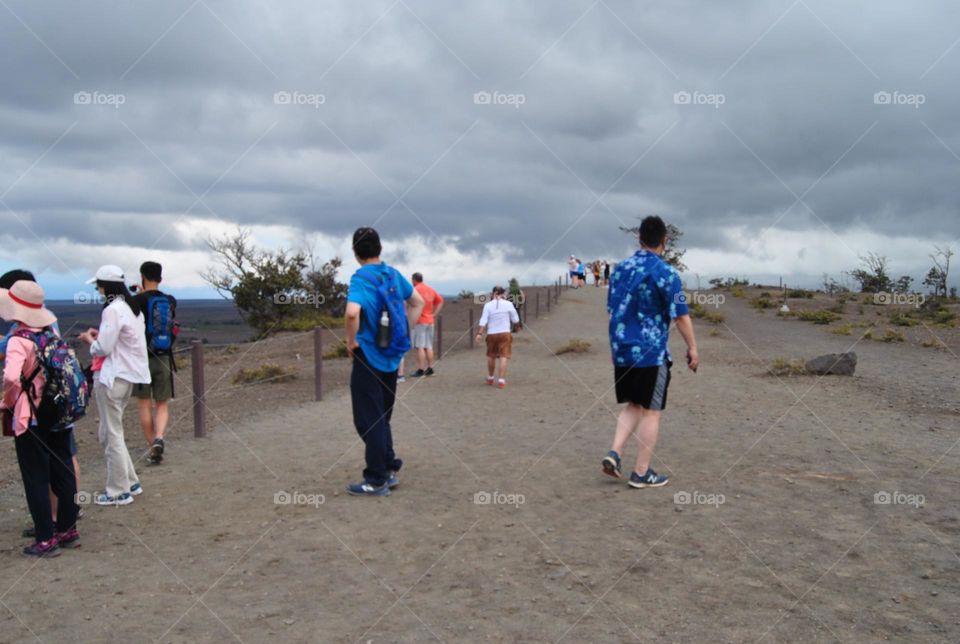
x=500, y=345
x=161, y=380
x=423, y=336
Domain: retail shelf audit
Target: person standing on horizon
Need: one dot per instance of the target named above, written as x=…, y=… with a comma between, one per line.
x=160, y=311
x=645, y=295
x=381, y=309
x=499, y=317
x=423, y=331
x=572, y=264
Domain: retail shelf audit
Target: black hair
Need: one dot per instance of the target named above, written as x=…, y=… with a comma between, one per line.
x=499, y=290
x=418, y=277
x=8, y=279
x=118, y=291
x=366, y=243
x=652, y=231
x=151, y=271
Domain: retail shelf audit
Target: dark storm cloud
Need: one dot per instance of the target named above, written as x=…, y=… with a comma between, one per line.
x=199, y=132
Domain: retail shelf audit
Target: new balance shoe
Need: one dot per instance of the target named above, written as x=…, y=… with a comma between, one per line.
x=502, y=384
x=136, y=489
x=611, y=464
x=491, y=380
x=401, y=378
x=650, y=479
x=367, y=489
x=106, y=499
x=392, y=480
x=43, y=549
x=419, y=373
x=429, y=371
x=156, y=451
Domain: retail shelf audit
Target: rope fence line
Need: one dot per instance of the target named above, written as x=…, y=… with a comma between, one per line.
x=197, y=349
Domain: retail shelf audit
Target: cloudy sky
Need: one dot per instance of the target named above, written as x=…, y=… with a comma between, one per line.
x=483, y=139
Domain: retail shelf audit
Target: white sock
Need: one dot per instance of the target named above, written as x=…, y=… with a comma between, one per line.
x=503, y=381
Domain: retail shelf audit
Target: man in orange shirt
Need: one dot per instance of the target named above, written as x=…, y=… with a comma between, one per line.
x=423, y=331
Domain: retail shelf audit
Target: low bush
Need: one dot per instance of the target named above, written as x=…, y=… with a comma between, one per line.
x=575, y=345
x=264, y=373
x=818, y=317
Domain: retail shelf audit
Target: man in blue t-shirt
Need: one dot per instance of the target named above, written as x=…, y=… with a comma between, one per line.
x=646, y=294
x=373, y=381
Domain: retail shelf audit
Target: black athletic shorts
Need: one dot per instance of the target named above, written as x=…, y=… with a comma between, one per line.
x=644, y=386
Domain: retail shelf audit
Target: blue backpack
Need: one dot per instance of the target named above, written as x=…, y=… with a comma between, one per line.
x=161, y=326
x=388, y=292
x=66, y=393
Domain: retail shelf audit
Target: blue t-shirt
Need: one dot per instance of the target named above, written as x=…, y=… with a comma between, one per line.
x=365, y=294
x=645, y=295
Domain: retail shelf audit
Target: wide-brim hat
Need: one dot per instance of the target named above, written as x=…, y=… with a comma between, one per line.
x=24, y=303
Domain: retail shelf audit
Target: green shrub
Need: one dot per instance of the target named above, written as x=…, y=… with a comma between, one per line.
x=891, y=336
x=818, y=317
x=901, y=319
x=843, y=329
x=784, y=367
x=336, y=351
x=799, y=293
x=576, y=345
x=761, y=303
x=264, y=373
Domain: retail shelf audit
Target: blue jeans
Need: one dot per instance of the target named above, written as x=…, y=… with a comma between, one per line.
x=373, y=394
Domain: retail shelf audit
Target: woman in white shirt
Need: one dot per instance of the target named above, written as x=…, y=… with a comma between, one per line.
x=121, y=340
x=498, y=318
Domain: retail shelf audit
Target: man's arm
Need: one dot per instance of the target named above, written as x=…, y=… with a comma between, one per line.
x=437, y=303
x=685, y=327
x=351, y=322
x=415, y=306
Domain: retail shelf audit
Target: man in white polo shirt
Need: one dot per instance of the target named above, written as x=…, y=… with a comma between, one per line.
x=498, y=318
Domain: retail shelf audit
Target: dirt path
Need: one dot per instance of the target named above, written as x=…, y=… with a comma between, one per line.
x=797, y=551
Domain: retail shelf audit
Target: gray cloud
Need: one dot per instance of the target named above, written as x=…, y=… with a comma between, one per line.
x=598, y=83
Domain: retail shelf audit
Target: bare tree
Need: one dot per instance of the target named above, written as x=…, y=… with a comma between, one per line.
x=940, y=272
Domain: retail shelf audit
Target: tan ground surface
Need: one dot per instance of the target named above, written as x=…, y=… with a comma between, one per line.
x=797, y=551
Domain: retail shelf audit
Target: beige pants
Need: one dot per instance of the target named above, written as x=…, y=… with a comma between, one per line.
x=110, y=403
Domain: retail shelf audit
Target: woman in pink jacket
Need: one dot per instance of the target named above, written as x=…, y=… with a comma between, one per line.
x=43, y=454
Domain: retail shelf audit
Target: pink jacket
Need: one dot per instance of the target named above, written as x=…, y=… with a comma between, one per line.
x=21, y=359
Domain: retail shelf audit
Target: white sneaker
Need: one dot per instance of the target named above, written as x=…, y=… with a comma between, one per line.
x=106, y=499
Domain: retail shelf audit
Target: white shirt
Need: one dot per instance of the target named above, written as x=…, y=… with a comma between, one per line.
x=498, y=316
x=123, y=340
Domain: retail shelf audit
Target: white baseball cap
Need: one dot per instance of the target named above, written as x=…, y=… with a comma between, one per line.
x=108, y=273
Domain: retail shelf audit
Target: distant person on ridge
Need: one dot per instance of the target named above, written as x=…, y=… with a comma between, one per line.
x=606, y=274
x=423, y=331
x=160, y=313
x=381, y=309
x=499, y=318
x=645, y=295
x=572, y=264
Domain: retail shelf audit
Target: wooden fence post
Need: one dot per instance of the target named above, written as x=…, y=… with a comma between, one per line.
x=439, y=351
x=318, y=363
x=472, y=338
x=548, y=299
x=536, y=309
x=199, y=393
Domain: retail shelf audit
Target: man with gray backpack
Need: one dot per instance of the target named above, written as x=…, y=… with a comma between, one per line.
x=160, y=318
x=382, y=307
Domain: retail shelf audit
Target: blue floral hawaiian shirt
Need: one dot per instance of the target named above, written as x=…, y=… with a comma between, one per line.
x=646, y=294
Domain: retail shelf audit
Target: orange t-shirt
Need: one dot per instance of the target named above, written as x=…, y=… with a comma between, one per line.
x=431, y=300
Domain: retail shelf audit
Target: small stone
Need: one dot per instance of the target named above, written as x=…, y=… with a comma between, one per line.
x=934, y=593
x=289, y=622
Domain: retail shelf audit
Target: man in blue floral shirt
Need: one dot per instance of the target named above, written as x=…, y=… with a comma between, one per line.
x=645, y=296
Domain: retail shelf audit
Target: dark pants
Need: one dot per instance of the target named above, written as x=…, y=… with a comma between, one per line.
x=373, y=394
x=45, y=464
